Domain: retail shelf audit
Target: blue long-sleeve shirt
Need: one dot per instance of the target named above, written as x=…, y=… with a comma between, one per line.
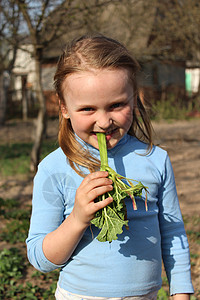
x=130, y=265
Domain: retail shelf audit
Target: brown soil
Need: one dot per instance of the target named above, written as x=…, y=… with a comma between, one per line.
x=182, y=141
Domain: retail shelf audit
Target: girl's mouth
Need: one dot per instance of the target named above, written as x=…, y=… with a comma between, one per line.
x=108, y=134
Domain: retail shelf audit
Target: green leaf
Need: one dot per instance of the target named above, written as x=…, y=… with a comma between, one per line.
x=110, y=223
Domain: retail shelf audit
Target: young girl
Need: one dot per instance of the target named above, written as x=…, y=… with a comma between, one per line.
x=97, y=89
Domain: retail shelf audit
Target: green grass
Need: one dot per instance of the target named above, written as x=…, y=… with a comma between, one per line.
x=15, y=157
x=13, y=262
x=15, y=231
x=162, y=295
x=16, y=221
x=12, y=269
x=171, y=109
x=193, y=233
x=11, y=266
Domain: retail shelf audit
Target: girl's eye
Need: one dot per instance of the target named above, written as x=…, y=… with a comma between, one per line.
x=117, y=105
x=87, y=109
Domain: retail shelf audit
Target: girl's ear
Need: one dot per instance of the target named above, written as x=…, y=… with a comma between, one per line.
x=64, y=111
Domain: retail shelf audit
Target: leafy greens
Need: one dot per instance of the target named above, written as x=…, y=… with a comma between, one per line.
x=113, y=217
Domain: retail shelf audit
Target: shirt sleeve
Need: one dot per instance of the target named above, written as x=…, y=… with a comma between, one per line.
x=47, y=215
x=174, y=243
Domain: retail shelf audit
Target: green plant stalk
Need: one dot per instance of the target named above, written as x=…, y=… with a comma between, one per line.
x=112, y=218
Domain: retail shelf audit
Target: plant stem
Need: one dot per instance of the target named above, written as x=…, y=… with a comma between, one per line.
x=102, y=149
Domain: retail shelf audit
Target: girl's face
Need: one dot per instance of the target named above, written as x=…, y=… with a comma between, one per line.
x=99, y=101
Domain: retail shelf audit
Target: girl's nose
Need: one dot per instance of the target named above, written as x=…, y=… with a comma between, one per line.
x=104, y=121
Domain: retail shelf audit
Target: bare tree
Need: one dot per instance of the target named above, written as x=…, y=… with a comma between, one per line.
x=167, y=29
x=9, y=41
x=134, y=21
x=35, y=15
x=176, y=33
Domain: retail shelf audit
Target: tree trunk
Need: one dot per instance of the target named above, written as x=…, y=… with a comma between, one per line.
x=41, y=119
x=2, y=100
x=24, y=99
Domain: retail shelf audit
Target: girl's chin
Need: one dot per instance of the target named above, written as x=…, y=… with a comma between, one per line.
x=112, y=143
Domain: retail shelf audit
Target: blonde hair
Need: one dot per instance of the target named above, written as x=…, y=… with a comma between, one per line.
x=97, y=52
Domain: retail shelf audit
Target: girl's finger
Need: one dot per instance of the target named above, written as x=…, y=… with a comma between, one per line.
x=93, y=176
x=100, y=190
x=98, y=183
x=94, y=184
x=101, y=204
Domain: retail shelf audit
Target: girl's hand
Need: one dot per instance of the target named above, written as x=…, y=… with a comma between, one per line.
x=59, y=244
x=92, y=186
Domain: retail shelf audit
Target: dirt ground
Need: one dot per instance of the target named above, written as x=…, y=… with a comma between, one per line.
x=180, y=138
x=182, y=142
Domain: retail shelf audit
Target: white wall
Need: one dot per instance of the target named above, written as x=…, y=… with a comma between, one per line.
x=193, y=79
x=24, y=65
